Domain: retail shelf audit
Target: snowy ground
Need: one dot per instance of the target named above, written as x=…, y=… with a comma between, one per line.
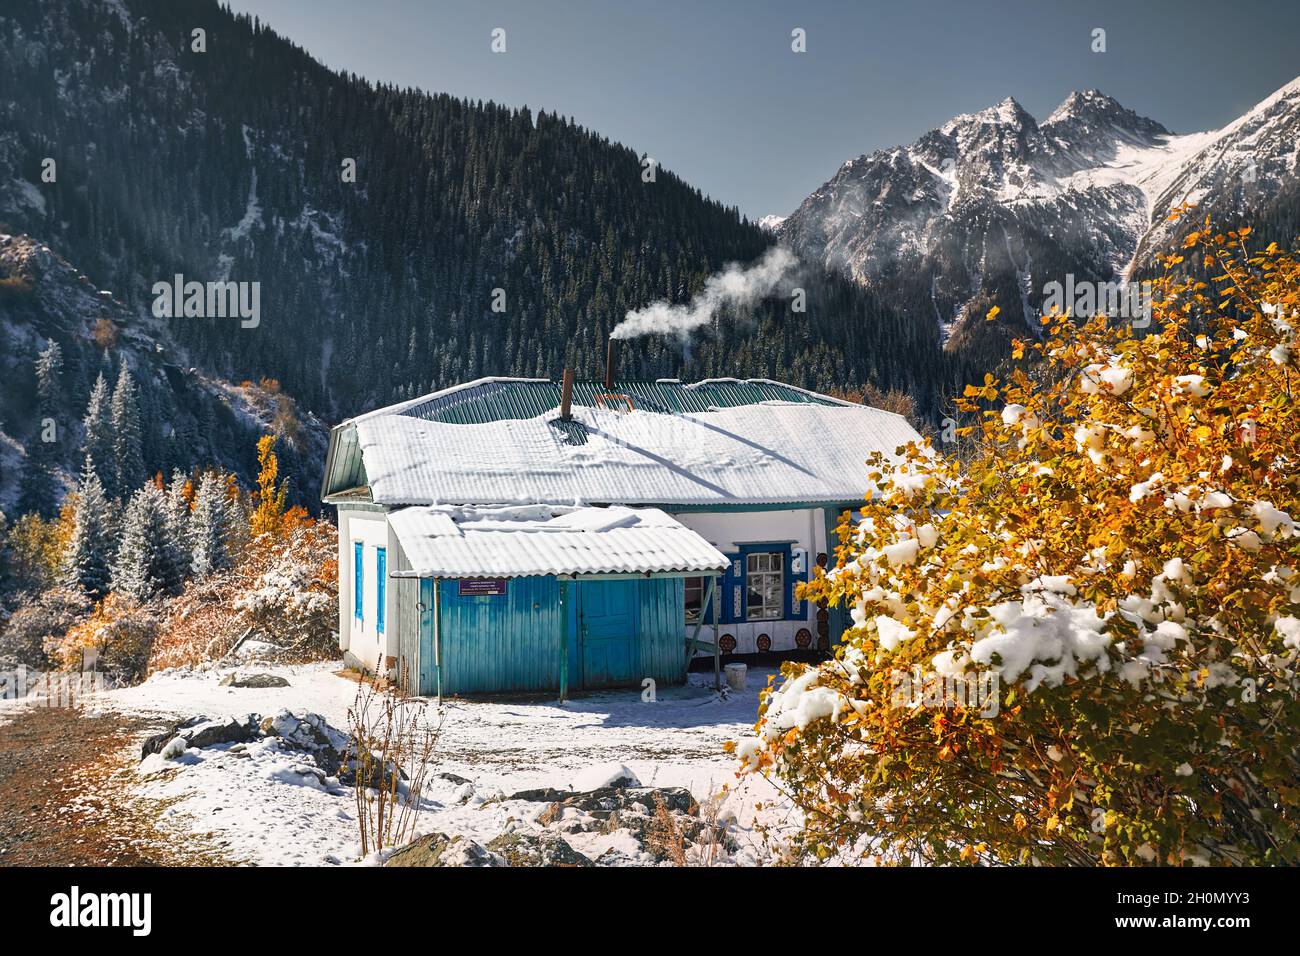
x=254, y=803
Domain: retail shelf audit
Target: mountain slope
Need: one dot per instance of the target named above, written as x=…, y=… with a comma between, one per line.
x=188, y=418
x=475, y=239
x=992, y=206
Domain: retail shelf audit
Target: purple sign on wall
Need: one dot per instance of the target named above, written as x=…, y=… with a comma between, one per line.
x=474, y=587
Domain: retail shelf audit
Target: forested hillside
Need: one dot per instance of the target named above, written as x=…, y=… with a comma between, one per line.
x=80, y=375
x=232, y=163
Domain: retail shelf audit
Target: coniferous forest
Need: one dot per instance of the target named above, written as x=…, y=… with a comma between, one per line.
x=235, y=163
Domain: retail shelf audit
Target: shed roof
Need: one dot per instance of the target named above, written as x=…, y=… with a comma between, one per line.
x=721, y=441
x=451, y=542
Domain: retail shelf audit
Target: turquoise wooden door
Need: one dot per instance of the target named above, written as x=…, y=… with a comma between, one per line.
x=607, y=632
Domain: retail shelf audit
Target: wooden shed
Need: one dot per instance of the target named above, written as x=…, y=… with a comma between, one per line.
x=520, y=599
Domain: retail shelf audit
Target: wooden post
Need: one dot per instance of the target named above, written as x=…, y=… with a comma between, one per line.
x=564, y=640
x=714, y=586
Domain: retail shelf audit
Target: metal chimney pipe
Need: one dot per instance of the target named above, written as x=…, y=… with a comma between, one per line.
x=566, y=394
x=611, y=354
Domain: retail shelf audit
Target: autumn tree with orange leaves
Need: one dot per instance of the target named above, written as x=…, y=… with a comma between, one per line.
x=272, y=493
x=1115, y=566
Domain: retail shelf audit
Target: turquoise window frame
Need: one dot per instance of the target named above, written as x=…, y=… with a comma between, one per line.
x=381, y=587
x=358, y=582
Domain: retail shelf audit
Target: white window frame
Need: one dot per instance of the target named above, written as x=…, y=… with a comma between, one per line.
x=752, y=575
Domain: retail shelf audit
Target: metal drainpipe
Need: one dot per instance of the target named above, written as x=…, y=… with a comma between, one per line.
x=437, y=634
x=564, y=640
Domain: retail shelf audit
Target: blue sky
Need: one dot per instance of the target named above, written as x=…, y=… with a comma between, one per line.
x=712, y=90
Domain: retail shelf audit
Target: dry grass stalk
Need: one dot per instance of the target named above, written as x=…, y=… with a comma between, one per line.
x=391, y=750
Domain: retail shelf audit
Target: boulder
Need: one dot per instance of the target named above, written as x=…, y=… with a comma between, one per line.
x=639, y=801
x=306, y=733
x=536, y=849
x=605, y=776
x=437, y=849
x=257, y=681
x=542, y=795
x=615, y=857
x=157, y=742
x=228, y=730
x=202, y=732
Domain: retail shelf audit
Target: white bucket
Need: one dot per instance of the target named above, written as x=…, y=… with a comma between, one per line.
x=735, y=674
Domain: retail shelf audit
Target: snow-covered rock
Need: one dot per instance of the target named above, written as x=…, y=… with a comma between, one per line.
x=605, y=775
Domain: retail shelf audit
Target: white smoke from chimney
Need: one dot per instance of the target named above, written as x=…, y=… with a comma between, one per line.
x=736, y=285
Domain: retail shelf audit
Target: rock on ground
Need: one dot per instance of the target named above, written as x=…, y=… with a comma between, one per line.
x=536, y=849
x=257, y=681
x=605, y=775
x=438, y=849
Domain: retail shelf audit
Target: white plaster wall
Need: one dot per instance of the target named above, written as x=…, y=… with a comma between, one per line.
x=804, y=528
x=372, y=531
x=345, y=580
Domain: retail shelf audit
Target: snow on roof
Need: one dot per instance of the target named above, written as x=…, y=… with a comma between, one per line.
x=449, y=542
x=766, y=452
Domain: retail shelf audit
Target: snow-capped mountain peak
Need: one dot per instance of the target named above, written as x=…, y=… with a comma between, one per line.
x=1090, y=121
x=993, y=205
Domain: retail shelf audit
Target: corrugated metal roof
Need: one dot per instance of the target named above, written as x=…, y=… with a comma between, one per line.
x=501, y=441
x=491, y=400
x=447, y=542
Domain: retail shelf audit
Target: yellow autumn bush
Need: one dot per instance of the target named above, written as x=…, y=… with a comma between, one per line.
x=116, y=638
x=1079, y=645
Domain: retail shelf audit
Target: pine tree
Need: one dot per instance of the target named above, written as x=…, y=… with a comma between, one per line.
x=87, y=558
x=139, y=569
x=98, y=444
x=39, y=488
x=49, y=379
x=4, y=553
x=128, y=455
x=178, y=560
x=210, y=527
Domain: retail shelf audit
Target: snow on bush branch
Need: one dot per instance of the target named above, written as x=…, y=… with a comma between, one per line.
x=1121, y=552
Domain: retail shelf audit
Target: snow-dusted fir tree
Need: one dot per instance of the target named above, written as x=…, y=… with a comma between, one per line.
x=210, y=526
x=141, y=567
x=49, y=379
x=4, y=553
x=127, y=440
x=89, y=553
x=98, y=444
x=177, y=555
x=39, y=486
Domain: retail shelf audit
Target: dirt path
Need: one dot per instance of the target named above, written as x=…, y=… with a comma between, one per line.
x=66, y=799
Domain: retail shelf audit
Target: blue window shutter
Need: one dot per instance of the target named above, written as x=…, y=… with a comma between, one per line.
x=796, y=609
x=733, y=590
x=358, y=581
x=381, y=586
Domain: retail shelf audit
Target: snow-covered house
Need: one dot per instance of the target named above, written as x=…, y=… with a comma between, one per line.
x=526, y=535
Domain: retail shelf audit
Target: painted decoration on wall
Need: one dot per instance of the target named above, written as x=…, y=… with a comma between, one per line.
x=804, y=637
x=764, y=643
x=477, y=587
x=726, y=643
